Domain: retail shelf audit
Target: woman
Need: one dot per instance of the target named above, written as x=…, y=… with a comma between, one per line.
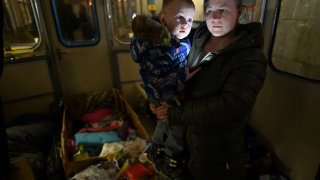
x=220, y=96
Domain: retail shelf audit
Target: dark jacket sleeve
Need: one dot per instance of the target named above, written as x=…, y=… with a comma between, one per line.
x=235, y=99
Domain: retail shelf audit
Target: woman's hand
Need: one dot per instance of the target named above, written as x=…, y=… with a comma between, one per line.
x=189, y=74
x=161, y=111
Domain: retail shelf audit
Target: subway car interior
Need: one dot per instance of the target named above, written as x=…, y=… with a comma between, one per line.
x=59, y=54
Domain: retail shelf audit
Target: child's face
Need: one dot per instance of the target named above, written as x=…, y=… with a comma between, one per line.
x=178, y=17
x=221, y=16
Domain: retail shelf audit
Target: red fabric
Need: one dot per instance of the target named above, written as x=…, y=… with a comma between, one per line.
x=137, y=171
x=96, y=116
x=112, y=126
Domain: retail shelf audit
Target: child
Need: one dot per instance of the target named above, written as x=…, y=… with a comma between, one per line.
x=161, y=49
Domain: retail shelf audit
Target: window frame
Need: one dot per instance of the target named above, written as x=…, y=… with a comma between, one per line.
x=271, y=46
x=15, y=52
x=76, y=43
x=112, y=27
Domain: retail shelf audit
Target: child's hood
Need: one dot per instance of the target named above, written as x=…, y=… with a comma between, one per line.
x=150, y=29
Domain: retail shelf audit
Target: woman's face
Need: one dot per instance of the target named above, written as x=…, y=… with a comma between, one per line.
x=221, y=16
x=178, y=17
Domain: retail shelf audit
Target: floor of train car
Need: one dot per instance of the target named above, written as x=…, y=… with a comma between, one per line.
x=18, y=170
x=23, y=170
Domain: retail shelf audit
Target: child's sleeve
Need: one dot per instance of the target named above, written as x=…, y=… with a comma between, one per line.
x=164, y=77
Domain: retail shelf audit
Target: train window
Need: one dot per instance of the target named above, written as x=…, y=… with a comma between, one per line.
x=122, y=13
x=76, y=22
x=21, y=29
x=295, y=39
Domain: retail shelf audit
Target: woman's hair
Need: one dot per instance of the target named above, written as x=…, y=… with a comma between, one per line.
x=165, y=3
x=239, y=3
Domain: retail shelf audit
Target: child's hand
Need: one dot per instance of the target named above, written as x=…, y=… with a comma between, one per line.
x=161, y=111
x=189, y=74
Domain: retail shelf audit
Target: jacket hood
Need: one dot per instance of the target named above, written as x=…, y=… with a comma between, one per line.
x=248, y=35
x=151, y=29
x=148, y=33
